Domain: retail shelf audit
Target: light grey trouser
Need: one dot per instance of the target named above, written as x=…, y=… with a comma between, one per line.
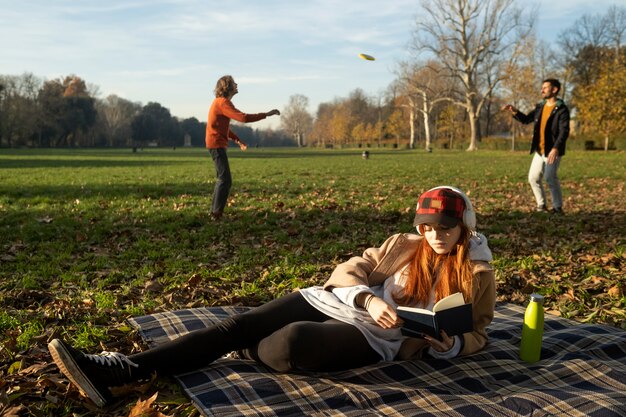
x=539, y=168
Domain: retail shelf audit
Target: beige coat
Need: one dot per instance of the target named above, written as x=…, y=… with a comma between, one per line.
x=377, y=264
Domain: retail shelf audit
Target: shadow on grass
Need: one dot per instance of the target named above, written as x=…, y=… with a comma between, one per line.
x=106, y=191
x=55, y=158
x=24, y=163
x=356, y=153
x=309, y=233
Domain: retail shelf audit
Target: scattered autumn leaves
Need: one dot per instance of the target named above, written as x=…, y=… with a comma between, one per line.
x=80, y=269
x=575, y=260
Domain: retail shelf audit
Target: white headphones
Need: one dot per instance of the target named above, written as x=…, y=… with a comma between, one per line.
x=469, y=215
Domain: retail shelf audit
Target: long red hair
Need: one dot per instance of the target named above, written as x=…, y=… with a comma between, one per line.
x=454, y=270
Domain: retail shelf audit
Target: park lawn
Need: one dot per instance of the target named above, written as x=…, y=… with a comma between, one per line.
x=91, y=237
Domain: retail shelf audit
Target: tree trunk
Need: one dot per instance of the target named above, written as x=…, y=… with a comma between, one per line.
x=426, y=114
x=474, y=131
x=488, y=125
x=412, y=127
x=512, y=136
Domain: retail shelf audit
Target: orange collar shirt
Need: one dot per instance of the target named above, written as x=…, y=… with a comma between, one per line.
x=218, y=125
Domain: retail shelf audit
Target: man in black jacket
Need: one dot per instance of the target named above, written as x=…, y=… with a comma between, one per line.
x=551, y=117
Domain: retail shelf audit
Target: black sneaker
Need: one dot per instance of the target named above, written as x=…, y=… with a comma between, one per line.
x=557, y=210
x=92, y=374
x=541, y=209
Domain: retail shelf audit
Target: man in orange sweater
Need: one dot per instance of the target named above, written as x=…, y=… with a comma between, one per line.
x=217, y=134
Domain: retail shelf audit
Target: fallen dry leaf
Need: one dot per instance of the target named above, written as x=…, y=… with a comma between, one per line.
x=615, y=291
x=144, y=408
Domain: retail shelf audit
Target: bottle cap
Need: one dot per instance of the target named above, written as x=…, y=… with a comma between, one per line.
x=536, y=298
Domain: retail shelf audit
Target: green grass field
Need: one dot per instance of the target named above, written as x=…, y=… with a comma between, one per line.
x=91, y=237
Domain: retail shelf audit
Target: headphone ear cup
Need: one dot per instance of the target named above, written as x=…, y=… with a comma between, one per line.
x=469, y=215
x=469, y=219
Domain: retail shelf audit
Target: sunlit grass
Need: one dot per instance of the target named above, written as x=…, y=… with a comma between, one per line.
x=89, y=238
x=109, y=221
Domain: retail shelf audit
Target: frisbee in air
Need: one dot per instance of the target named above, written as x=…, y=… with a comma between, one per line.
x=367, y=57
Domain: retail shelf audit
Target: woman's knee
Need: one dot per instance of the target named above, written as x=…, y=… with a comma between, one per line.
x=288, y=349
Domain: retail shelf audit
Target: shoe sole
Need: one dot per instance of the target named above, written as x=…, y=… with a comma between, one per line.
x=72, y=371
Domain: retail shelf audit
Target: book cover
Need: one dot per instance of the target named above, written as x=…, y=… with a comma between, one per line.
x=450, y=314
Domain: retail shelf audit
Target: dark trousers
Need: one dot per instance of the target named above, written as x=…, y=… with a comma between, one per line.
x=224, y=179
x=286, y=334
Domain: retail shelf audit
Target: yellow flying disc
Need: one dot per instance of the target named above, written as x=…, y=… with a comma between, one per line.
x=367, y=57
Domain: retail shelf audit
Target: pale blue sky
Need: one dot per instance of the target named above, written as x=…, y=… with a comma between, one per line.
x=173, y=51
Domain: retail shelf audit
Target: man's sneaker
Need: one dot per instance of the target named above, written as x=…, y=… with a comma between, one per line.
x=557, y=210
x=541, y=209
x=92, y=374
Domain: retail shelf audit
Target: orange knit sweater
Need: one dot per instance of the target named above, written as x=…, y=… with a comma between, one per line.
x=218, y=126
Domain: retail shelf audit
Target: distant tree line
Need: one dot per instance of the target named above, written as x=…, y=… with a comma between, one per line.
x=66, y=112
x=469, y=57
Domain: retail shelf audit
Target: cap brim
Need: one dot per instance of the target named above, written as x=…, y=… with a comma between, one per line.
x=435, y=219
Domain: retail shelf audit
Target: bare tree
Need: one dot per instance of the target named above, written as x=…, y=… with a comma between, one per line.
x=18, y=109
x=117, y=115
x=296, y=119
x=580, y=47
x=596, y=61
x=585, y=48
x=582, y=43
x=475, y=40
x=521, y=85
x=616, y=23
x=424, y=87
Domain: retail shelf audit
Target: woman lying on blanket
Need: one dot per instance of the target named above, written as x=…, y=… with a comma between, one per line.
x=349, y=322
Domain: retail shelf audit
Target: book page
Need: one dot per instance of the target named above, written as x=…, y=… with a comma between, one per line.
x=416, y=310
x=453, y=300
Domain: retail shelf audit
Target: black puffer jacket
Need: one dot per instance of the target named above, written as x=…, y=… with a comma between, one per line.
x=557, y=128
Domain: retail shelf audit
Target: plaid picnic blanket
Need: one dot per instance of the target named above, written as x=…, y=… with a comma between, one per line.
x=582, y=373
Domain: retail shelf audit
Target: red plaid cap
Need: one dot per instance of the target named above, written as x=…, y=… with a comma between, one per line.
x=440, y=206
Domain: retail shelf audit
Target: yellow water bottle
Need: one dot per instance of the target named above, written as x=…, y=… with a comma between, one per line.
x=532, y=332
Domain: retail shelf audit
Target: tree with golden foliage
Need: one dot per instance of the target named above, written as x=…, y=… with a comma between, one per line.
x=341, y=124
x=602, y=105
x=396, y=126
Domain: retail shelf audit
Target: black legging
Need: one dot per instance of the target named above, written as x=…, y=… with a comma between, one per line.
x=286, y=334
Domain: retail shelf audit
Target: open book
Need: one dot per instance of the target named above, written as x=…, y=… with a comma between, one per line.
x=450, y=314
